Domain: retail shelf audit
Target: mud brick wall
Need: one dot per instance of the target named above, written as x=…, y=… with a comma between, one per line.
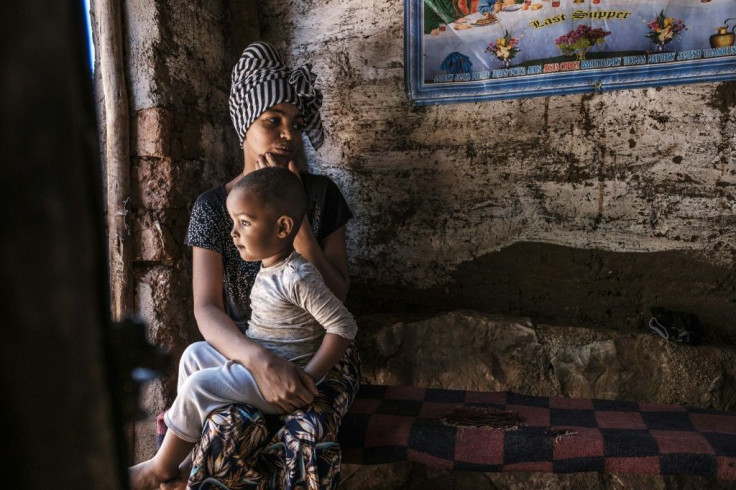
x=178, y=63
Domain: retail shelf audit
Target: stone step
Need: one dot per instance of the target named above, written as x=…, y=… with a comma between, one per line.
x=473, y=350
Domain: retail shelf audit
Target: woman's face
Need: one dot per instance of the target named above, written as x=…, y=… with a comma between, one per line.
x=277, y=131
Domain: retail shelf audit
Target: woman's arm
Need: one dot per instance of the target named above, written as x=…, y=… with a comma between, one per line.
x=281, y=383
x=330, y=257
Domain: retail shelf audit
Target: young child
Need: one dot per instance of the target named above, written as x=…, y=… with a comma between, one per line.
x=293, y=315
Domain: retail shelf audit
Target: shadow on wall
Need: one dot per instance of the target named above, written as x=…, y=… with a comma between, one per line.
x=574, y=287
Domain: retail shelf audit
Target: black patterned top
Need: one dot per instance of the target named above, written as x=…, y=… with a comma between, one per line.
x=210, y=225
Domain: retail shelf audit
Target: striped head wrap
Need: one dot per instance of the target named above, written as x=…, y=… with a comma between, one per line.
x=260, y=80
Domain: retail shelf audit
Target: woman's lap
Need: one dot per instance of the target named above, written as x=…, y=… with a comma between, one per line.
x=241, y=449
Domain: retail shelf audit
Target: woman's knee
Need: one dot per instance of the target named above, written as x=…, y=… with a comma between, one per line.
x=319, y=425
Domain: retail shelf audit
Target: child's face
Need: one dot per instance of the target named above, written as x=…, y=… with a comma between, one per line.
x=258, y=233
x=277, y=131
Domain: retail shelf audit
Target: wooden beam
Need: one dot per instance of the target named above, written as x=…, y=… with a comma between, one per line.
x=117, y=153
x=245, y=26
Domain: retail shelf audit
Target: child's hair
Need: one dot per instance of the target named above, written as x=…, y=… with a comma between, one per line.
x=277, y=188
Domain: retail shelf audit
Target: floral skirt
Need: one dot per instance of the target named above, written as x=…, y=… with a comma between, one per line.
x=242, y=448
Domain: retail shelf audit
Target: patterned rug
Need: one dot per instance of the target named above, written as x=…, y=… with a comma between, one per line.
x=472, y=430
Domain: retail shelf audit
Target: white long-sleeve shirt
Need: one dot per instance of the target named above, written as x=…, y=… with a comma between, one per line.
x=292, y=309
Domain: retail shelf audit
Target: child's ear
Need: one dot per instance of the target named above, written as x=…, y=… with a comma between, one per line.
x=285, y=225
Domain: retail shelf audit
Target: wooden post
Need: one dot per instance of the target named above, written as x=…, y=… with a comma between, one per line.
x=117, y=153
x=245, y=25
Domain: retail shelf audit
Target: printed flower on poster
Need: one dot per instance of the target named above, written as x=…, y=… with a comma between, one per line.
x=663, y=30
x=579, y=40
x=505, y=48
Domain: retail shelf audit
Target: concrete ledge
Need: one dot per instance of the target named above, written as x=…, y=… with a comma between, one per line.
x=473, y=350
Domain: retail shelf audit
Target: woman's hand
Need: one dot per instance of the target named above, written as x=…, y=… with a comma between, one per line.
x=283, y=384
x=269, y=160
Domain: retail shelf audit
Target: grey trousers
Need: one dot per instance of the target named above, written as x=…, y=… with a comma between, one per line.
x=207, y=381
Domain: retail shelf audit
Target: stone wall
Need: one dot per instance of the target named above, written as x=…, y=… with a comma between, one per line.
x=471, y=350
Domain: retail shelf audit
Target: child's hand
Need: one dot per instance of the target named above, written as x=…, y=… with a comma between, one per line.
x=331, y=350
x=309, y=381
x=178, y=484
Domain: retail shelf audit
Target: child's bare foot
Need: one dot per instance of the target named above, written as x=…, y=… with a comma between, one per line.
x=177, y=484
x=142, y=476
x=180, y=482
x=145, y=476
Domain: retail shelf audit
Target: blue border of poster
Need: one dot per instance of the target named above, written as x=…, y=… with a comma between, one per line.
x=500, y=79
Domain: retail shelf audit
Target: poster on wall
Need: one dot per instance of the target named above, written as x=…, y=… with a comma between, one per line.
x=473, y=50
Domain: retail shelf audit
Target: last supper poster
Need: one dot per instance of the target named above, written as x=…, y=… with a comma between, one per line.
x=472, y=50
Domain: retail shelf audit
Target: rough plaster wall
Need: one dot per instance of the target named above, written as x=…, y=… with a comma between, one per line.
x=442, y=187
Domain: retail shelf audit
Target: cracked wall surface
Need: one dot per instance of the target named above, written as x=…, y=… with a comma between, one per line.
x=178, y=64
x=178, y=58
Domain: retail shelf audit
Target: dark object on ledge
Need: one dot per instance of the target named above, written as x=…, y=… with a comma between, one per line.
x=135, y=361
x=677, y=326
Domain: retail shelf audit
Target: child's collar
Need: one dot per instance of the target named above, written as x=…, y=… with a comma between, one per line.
x=281, y=262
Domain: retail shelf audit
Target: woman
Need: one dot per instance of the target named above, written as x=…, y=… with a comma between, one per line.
x=271, y=106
